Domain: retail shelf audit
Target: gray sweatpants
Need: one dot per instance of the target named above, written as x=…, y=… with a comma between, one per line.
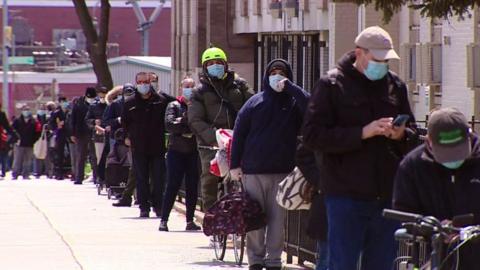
x=265, y=246
x=22, y=161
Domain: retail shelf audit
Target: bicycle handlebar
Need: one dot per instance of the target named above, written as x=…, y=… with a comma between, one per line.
x=401, y=216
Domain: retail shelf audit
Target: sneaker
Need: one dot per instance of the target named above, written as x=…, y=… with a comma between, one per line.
x=163, y=226
x=144, y=213
x=274, y=268
x=158, y=211
x=255, y=267
x=123, y=203
x=191, y=226
x=77, y=182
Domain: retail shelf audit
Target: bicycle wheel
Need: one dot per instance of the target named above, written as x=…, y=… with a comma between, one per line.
x=238, y=248
x=219, y=246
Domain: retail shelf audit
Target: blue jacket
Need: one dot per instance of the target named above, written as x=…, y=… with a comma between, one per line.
x=266, y=128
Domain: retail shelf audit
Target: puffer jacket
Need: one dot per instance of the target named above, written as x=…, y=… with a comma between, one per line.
x=114, y=109
x=343, y=103
x=215, y=104
x=180, y=137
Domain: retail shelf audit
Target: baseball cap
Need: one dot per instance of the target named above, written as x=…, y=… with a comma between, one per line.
x=448, y=130
x=378, y=42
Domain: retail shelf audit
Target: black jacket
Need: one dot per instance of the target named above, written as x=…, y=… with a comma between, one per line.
x=95, y=112
x=180, y=137
x=426, y=187
x=77, y=118
x=144, y=122
x=343, y=103
x=57, y=116
x=29, y=130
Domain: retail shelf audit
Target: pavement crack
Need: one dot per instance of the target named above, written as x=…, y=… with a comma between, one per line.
x=56, y=231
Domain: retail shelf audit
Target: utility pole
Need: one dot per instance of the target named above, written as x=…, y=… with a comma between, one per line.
x=5, y=93
x=144, y=25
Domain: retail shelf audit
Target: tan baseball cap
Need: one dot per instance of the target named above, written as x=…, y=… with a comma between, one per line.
x=378, y=42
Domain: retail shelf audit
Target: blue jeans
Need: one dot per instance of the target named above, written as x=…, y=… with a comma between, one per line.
x=357, y=228
x=181, y=166
x=322, y=256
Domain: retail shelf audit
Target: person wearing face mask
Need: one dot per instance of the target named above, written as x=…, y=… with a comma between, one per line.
x=143, y=119
x=42, y=166
x=96, y=127
x=28, y=129
x=182, y=157
x=81, y=134
x=112, y=118
x=155, y=86
x=57, y=124
x=441, y=177
x=263, y=154
x=348, y=124
x=215, y=105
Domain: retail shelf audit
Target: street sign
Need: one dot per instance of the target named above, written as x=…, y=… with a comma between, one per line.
x=21, y=60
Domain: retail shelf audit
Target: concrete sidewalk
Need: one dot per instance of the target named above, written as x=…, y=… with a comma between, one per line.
x=48, y=224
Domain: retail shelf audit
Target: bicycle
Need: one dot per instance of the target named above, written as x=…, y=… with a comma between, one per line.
x=431, y=244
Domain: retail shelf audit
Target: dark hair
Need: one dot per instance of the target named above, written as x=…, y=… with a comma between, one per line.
x=141, y=73
x=62, y=98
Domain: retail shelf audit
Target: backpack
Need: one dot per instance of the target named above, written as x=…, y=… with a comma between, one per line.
x=234, y=213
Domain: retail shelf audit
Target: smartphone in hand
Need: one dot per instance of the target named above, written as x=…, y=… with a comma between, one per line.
x=400, y=120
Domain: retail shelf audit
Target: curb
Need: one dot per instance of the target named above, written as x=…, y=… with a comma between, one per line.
x=181, y=208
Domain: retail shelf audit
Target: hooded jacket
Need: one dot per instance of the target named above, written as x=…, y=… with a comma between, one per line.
x=114, y=109
x=267, y=126
x=215, y=104
x=343, y=103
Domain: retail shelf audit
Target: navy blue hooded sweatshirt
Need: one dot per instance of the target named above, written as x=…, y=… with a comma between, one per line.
x=266, y=128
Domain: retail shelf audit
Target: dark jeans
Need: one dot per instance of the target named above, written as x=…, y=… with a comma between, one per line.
x=92, y=158
x=81, y=151
x=144, y=166
x=59, y=156
x=357, y=227
x=322, y=256
x=181, y=166
x=4, y=161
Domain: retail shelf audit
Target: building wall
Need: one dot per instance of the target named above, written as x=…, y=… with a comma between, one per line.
x=122, y=74
x=343, y=28
x=199, y=23
x=123, y=25
x=454, y=88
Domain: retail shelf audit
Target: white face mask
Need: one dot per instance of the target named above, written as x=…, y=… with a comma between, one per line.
x=274, y=80
x=90, y=100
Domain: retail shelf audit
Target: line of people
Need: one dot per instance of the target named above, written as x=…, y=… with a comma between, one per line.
x=350, y=150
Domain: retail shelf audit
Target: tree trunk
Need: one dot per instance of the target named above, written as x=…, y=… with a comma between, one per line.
x=96, y=43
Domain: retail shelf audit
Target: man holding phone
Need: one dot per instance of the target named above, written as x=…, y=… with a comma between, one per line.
x=350, y=125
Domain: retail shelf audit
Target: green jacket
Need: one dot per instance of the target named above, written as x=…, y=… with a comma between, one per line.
x=207, y=112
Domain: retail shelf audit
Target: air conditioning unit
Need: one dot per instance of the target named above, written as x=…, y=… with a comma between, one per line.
x=276, y=8
x=473, y=66
x=291, y=8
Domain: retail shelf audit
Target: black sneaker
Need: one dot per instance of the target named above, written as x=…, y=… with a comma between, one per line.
x=255, y=267
x=144, y=213
x=163, y=226
x=123, y=203
x=77, y=182
x=191, y=226
x=274, y=268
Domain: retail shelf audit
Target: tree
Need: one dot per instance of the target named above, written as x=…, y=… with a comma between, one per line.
x=428, y=8
x=96, y=42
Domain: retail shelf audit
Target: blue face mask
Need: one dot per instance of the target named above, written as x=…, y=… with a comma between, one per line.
x=375, y=71
x=454, y=164
x=216, y=71
x=41, y=112
x=273, y=81
x=187, y=93
x=64, y=105
x=26, y=114
x=143, y=89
